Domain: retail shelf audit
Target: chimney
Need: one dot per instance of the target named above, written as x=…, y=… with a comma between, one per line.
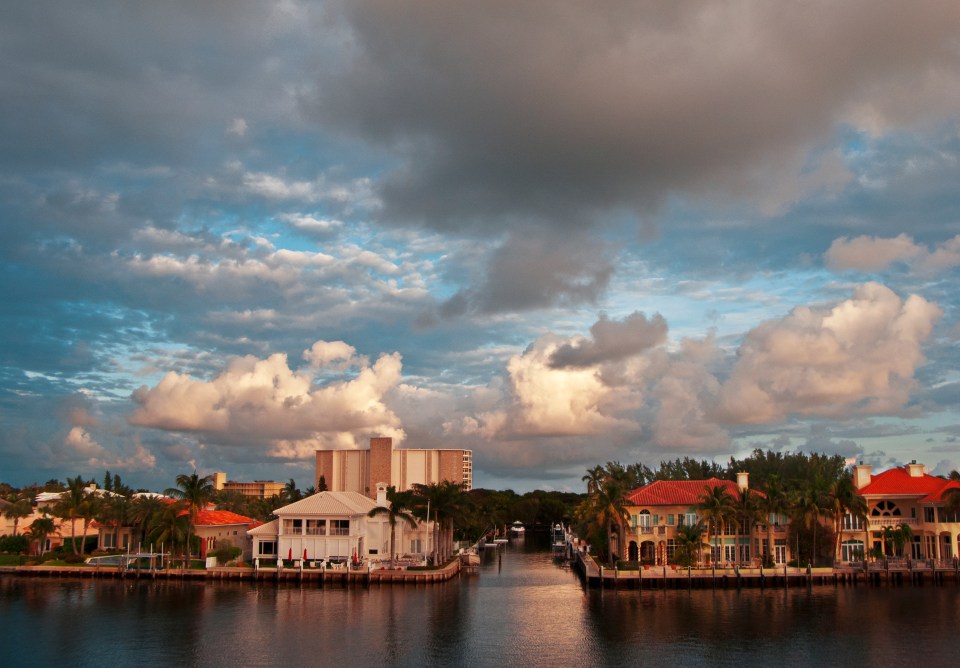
x=861, y=475
x=743, y=480
x=382, y=494
x=916, y=470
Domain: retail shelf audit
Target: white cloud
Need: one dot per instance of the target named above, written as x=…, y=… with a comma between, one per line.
x=857, y=358
x=256, y=401
x=866, y=253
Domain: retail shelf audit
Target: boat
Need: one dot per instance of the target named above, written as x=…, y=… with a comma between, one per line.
x=559, y=538
x=517, y=528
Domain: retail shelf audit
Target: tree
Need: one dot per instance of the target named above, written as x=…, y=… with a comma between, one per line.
x=290, y=492
x=322, y=484
x=688, y=541
x=774, y=505
x=748, y=511
x=171, y=526
x=20, y=508
x=197, y=492
x=114, y=512
x=72, y=505
x=142, y=514
x=901, y=535
x=716, y=509
x=844, y=499
x=39, y=530
x=607, y=505
x=811, y=502
x=444, y=503
x=395, y=512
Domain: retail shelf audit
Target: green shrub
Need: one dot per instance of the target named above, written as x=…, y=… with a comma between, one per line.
x=14, y=544
x=225, y=552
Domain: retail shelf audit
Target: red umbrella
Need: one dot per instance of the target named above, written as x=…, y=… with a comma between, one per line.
x=304, y=554
x=290, y=554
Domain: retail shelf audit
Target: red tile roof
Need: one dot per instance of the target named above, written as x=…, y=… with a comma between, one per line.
x=677, y=492
x=899, y=482
x=220, y=518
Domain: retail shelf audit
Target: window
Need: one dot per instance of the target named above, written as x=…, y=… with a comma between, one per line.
x=416, y=546
x=670, y=520
x=656, y=520
x=852, y=523
x=268, y=548
x=671, y=548
x=293, y=527
x=339, y=527
x=316, y=527
x=108, y=541
x=885, y=509
x=644, y=521
x=690, y=519
x=729, y=552
x=851, y=550
x=928, y=515
x=780, y=551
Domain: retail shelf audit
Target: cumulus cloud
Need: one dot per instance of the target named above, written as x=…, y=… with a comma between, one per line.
x=858, y=357
x=263, y=401
x=866, y=253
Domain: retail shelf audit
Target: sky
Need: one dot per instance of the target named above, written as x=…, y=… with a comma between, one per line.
x=556, y=233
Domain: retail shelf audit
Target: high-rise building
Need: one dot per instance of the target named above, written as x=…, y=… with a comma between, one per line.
x=361, y=470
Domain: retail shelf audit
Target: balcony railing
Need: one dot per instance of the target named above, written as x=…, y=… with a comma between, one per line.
x=881, y=522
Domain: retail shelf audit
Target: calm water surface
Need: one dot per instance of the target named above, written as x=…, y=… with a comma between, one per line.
x=522, y=610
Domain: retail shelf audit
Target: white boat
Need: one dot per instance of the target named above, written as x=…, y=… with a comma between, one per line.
x=517, y=528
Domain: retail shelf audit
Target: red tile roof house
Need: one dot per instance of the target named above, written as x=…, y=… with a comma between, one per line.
x=906, y=495
x=211, y=526
x=658, y=509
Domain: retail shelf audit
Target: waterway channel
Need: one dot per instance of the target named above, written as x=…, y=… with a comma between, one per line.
x=521, y=610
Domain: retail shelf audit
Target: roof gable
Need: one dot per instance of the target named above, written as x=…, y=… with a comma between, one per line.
x=329, y=503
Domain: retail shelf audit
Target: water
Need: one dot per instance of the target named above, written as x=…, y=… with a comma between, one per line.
x=522, y=610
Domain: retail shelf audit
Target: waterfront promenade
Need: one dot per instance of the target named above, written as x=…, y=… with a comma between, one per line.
x=317, y=576
x=672, y=577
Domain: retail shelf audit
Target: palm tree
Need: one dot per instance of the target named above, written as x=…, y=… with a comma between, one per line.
x=171, y=526
x=71, y=506
x=444, y=503
x=197, y=492
x=20, y=508
x=594, y=479
x=395, y=511
x=845, y=500
x=290, y=492
x=142, y=513
x=688, y=541
x=810, y=504
x=608, y=505
x=716, y=509
x=114, y=511
x=901, y=534
x=39, y=530
x=748, y=512
x=774, y=505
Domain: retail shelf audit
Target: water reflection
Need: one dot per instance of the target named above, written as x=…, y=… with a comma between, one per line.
x=522, y=610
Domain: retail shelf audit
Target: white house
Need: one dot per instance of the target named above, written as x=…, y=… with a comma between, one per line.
x=335, y=526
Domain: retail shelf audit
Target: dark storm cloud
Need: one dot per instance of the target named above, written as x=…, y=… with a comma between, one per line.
x=558, y=112
x=535, y=270
x=612, y=341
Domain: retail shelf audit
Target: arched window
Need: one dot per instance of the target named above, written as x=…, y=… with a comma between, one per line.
x=885, y=509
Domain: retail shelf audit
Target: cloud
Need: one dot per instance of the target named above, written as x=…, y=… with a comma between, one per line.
x=558, y=112
x=612, y=340
x=534, y=271
x=857, y=358
x=263, y=400
x=871, y=254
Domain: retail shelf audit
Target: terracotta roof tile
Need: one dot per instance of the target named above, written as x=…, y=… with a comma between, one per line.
x=677, y=492
x=899, y=482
